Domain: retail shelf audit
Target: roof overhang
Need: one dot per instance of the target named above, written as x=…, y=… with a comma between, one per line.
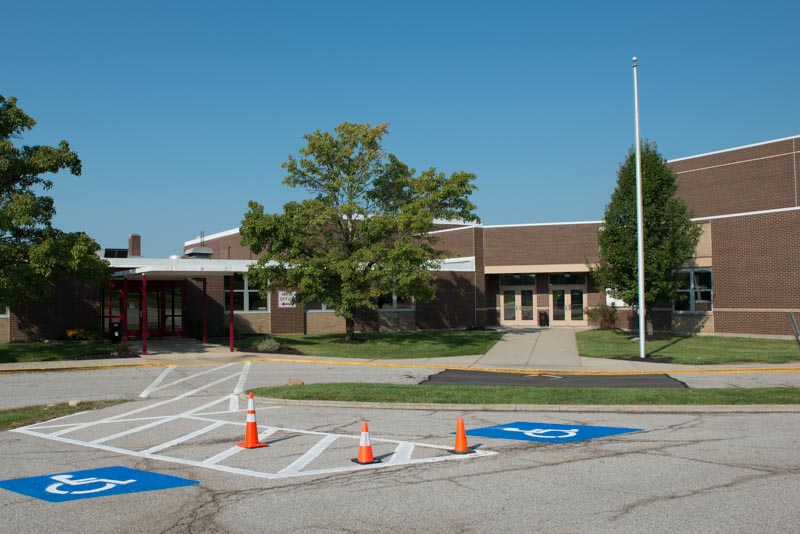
x=177, y=268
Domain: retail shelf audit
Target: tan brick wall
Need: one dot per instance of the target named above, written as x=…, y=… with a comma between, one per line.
x=693, y=324
x=399, y=321
x=250, y=323
x=324, y=323
x=5, y=330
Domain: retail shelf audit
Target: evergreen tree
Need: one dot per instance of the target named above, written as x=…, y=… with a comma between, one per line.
x=670, y=237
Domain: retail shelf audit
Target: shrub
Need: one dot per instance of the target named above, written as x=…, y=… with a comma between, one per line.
x=603, y=315
x=267, y=344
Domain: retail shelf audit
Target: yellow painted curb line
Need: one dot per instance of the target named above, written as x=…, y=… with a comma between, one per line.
x=373, y=363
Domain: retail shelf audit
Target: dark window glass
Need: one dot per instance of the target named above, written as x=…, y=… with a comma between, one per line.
x=517, y=279
x=563, y=279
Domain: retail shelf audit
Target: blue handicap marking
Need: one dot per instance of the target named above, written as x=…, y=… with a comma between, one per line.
x=548, y=433
x=92, y=483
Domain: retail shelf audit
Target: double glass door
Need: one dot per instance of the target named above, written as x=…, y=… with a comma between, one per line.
x=567, y=305
x=518, y=306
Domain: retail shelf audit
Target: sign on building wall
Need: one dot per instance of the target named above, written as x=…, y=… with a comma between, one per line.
x=286, y=299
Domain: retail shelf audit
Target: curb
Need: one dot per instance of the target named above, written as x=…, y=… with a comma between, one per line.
x=597, y=408
x=374, y=363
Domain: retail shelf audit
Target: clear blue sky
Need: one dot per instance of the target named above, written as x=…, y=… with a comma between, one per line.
x=182, y=112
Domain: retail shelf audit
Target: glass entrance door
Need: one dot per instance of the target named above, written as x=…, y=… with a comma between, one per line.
x=518, y=306
x=567, y=305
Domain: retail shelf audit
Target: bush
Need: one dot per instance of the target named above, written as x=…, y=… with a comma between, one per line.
x=267, y=344
x=603, y=315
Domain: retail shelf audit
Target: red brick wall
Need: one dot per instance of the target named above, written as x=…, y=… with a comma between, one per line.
x=454, y=306
x=286, y=320
x=756, y=266
x=538, y=245
x=74, y=305
x=228, y=247
x=737, y=181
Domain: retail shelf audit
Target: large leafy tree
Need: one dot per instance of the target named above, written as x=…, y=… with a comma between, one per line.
x=670, y=237
x=32, y=252
x=363, y=234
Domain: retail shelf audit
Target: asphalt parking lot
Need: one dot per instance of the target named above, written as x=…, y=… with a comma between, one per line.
x=665, y=473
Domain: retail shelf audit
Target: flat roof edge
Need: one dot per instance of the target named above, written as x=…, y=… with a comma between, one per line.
x=734, y=148
x=197, y=240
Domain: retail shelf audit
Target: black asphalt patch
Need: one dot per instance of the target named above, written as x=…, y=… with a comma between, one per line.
x=481, y=378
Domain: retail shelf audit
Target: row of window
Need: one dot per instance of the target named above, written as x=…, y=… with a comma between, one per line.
x=4, y=311
x=247, y=299
x=695, y=293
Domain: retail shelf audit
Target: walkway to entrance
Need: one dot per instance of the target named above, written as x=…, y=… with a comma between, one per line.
x=534, y=348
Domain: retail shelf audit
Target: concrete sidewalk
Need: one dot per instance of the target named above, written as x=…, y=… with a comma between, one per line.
x=527, y=350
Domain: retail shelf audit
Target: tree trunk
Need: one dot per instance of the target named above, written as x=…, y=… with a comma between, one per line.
x=350, y=328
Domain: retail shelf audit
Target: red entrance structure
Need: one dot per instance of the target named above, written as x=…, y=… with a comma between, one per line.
x=149, y=299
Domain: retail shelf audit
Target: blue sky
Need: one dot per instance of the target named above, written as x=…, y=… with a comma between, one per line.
x=182, y=112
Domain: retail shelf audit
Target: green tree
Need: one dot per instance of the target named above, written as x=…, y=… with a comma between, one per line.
x=364, y=233
x=32, y=252
x=670, y=237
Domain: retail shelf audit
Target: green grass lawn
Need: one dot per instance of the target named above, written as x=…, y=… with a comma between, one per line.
x=45, y=352
x=528, y=395
x=389, y=345
x=29, y=415
x=691, y=350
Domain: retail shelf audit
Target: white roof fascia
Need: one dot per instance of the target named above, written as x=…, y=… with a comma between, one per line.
x=732, y=149
x=198, y=240
x=745, y=214
x=541, y=224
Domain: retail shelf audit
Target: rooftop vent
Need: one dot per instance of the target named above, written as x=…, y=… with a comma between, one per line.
x=199, y=253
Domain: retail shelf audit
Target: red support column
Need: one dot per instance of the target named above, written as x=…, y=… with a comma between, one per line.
x=110, y=309
x=123, y=309
x=230, y=306
x=143, y=320
x=205, y=322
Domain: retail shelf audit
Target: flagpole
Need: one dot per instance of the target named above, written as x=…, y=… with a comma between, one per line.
x=639, y=214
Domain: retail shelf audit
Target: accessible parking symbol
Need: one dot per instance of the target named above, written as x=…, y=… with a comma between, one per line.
x=547, y=432
x=92, y=483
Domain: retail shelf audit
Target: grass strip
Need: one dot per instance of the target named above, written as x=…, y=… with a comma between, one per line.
x=389, y=345
x=29, y=415
x=357, y=392
x=48, y=352
x=687, y=350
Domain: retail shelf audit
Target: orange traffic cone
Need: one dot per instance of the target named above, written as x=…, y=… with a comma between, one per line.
x=251, y=428
x=365, y=448
x=461, y=446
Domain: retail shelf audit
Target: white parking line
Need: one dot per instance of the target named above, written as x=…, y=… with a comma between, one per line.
x=186, y=437
x=309, y=456
x=297, y=461
x=149, y=389
x=191, y=377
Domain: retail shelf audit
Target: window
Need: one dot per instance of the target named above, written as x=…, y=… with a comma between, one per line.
x=517, y=279
x=317, y=307
x=245, y=298
x=695, y=293
x=395, y=303
x=565, y=279
x=4, y=311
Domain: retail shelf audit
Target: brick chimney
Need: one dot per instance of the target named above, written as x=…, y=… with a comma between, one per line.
x=134, y=245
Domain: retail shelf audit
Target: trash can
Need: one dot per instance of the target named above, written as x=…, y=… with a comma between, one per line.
x=116, y=333
x=543, y=319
